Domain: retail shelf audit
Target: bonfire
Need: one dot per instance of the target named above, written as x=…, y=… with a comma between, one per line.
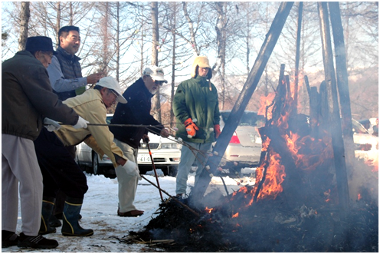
x=294, y=205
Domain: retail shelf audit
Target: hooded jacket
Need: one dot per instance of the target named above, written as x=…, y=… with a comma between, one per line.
x=27, y=97
x=90, y=106
x=193, y=99
x=136, y=111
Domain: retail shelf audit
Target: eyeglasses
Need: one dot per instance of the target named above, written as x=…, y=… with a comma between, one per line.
x=160, y=83
x=112, y=91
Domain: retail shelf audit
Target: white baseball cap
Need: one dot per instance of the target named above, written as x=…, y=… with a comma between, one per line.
x=111, y=83
x=157, y=73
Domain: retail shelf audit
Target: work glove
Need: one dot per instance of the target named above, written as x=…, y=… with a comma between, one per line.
x=164, y=133
x=81, y=123
x=191, y=128
x=217, y=130
x=145, y=138
x=132, y=169
x=51, y=125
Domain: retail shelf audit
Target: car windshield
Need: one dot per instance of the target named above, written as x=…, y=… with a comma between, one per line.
x=248, y=118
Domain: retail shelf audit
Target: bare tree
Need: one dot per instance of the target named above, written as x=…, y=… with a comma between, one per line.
x=156, y=105
x=24, y=24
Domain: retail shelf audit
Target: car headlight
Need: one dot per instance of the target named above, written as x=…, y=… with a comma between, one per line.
x=170, y=146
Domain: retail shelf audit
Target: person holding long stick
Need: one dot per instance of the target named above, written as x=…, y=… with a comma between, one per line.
x=27, y=101
x=136, y=111
x=59, y=169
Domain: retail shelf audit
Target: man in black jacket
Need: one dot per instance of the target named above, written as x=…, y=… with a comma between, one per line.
x=136, y=111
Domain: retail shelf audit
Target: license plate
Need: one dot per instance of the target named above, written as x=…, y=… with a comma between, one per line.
x=143, y=158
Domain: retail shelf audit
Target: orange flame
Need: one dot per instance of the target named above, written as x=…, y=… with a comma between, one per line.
x=209, y=210
x=235, y=215
x=359, y=196
x=307, y=152
x=264, y=102
x=275, y=175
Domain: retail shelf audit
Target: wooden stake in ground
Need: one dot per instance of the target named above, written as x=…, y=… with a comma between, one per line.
x=241, y=103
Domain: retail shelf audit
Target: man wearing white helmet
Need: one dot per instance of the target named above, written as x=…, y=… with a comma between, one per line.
x=59, y=169
x=136, y=111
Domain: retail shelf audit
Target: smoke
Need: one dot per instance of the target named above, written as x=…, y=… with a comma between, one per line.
x=363, y=184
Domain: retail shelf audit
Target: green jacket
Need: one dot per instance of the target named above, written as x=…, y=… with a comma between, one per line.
x=193, y=99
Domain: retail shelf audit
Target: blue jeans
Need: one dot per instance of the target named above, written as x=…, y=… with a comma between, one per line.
x=199, y=154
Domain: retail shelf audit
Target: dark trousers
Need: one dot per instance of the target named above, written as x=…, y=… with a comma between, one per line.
x=59, y=170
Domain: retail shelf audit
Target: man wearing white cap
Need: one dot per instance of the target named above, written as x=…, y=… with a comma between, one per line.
x=136, y=111
x=59, y=169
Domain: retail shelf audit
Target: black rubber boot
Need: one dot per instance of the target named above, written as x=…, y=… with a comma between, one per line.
x=54, y=222
x=70, y=218
x=47, y=210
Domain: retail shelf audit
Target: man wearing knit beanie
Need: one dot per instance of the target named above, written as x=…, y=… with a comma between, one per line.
x=196, y=108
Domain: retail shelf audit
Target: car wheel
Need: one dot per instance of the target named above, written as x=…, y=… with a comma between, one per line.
x=173, y=171
x=95, y=164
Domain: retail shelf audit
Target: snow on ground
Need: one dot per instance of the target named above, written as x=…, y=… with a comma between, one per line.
x=99, y=213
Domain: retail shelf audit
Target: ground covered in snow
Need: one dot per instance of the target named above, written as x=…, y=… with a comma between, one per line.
x=99, y=213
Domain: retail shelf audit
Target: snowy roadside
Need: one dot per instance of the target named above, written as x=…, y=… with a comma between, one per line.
x=99, y=213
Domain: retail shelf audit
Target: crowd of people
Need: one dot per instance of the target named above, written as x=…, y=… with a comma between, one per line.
x=49, y=108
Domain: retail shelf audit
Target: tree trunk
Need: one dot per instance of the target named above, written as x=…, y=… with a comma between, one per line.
x=298, y=45
x=58, y=20
x=105, y=40
x=155, y=47
x=173, y=64
x=117, y=41
x=220, y=28
x=191, y=29
x=24, y=22
x=71, y=14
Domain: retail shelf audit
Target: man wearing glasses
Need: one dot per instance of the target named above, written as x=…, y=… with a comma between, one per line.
x=59, y=169
x=136, y=111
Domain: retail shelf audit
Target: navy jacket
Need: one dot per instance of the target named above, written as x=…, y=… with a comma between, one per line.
x=136, y=111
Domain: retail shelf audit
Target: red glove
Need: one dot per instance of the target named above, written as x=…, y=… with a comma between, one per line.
x=217, y=130
x=191, y=128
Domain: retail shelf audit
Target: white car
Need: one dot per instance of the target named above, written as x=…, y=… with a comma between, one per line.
x=166, y=155
x=244, y=148
x=366, y=145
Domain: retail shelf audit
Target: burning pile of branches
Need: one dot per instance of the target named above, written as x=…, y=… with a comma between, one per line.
x=263, y=226
x=294, y=205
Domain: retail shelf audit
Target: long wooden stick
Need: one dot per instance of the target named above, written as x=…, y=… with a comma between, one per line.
x=154, y=168
x=174, y=198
